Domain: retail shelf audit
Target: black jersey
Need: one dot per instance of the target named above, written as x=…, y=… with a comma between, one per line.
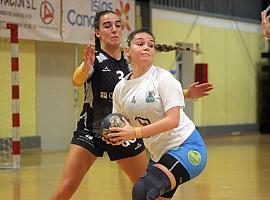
x=107, y=72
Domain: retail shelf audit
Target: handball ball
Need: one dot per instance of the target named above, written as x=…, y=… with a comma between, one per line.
x=111, y=120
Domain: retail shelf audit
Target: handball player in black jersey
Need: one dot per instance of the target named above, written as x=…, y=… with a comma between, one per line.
x=100, y=71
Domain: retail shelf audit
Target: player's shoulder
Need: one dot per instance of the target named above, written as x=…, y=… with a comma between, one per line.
x=100, y=56
x=118, y=87
x=160, y=72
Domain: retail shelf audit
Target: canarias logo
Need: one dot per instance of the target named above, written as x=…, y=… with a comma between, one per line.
x=123, y=12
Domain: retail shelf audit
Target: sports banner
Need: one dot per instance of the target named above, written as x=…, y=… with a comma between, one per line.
x=37, y=19
x=78, y=18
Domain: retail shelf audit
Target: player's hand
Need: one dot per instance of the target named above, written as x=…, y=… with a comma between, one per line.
x=88, y=57
x=120, y=135
x=265, y=24
x=105, y=137
x=197, y=90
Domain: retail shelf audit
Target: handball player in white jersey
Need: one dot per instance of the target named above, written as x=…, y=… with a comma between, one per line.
x=153, y=101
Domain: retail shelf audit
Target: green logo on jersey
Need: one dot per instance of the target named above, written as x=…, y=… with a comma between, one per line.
x=150, y=97
x=194, y=157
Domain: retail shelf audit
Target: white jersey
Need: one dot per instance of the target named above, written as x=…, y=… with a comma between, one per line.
x=146, y=99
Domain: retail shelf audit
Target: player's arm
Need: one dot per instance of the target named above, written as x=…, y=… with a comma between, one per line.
x=170, y=121
x=197, y=90
x=172, y=102
x=82, y=72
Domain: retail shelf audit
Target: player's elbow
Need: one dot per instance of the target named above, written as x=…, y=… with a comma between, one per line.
x=76, y=83
x=175, y=123
x=173, y=116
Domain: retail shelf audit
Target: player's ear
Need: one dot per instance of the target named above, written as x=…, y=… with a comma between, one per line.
x=127, y=51
x=97, y=33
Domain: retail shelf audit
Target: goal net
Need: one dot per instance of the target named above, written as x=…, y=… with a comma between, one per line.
x=9, y=97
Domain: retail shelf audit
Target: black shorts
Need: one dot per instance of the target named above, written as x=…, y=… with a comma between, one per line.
x=97, y=146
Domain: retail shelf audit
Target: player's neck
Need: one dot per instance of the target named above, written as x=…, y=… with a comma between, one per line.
x=114, y=52
x=139, y=71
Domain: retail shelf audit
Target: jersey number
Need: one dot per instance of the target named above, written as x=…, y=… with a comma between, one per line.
x=120, y=74
x=127, y=143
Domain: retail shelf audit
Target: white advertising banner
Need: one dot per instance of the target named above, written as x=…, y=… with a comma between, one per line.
x=37, y=19
x=78, y=18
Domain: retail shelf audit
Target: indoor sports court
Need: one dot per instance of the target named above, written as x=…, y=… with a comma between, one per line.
x=237, y=169
x=205, y=41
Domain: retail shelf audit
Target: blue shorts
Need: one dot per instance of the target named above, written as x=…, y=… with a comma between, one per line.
x=191, y=154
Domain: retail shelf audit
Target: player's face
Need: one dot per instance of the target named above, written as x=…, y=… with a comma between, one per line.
x=110, y=30
x=141, y=50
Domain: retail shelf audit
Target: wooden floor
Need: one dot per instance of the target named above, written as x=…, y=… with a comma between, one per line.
x=238, y=168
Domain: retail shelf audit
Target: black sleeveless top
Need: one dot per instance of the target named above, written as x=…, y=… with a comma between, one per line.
x=107, y=72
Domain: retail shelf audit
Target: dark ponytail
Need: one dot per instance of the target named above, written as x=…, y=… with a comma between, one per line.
x=97, y=43
x=167, y=48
